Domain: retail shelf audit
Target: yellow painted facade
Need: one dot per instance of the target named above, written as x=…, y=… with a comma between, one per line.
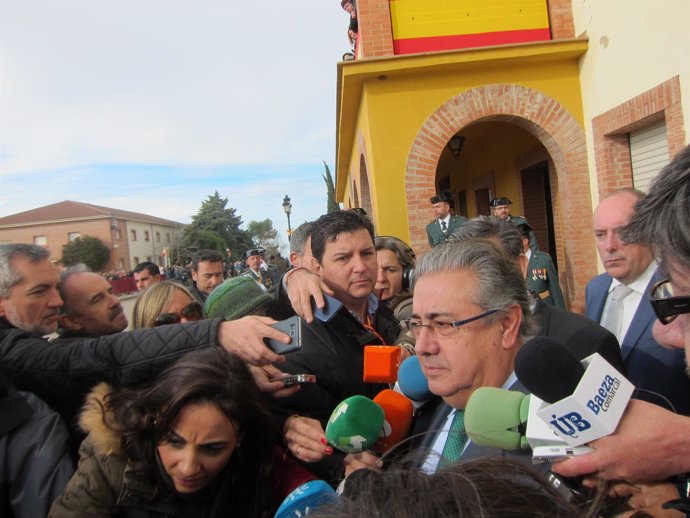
x=383, y=103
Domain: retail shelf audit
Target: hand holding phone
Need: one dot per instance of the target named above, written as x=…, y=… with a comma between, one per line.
x=291, y=327
x=295, y=379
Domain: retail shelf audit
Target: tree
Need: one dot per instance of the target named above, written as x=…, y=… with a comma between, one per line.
x=89, y=250
x=332, y=205
x=215, y=227
x=263, y=234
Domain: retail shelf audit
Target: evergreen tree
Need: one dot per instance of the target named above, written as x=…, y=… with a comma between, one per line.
x=332, y=205
x=89, y=250
x=216, y=227
x=263, y=234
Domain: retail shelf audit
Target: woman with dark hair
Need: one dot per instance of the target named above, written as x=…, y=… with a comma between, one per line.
x=197, y=442
x=396, y=261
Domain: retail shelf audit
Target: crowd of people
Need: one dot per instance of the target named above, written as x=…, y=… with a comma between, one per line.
x=191, y=413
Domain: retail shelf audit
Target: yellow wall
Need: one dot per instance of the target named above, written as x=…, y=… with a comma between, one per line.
x=392, y=109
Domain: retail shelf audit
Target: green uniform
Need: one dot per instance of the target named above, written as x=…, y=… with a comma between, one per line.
x=434, y=233
x=542, y=279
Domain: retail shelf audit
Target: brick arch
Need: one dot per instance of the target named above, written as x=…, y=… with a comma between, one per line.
x=559, y=133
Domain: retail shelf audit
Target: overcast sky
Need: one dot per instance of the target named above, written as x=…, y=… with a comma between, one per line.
x=152, y=105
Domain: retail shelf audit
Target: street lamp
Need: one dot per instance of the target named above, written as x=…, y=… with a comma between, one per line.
x=287, y=207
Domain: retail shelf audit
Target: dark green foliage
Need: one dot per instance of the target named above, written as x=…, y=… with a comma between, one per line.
x=89, y=250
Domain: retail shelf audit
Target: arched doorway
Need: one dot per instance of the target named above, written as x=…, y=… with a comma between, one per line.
x=556, y=131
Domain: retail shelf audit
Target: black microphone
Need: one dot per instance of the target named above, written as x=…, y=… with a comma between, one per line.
x=548, y=369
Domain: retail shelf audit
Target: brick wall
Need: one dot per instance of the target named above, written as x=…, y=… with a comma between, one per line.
x=561, y=19
x=611, y=129
x=564, y=141
x=375, y=30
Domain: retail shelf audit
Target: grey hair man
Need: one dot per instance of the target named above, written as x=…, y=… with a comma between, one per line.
x=29, y=297
x=90, y=309
x=300, y=248
x=467, y=336
x=581, y=335
x=660, y=220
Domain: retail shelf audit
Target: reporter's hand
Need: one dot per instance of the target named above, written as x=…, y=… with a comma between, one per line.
x=301, y=286
x=363, y=460
x=649, y=444
x=244, y=337
x=306, y=439
x=263, y=376
x=648, y=498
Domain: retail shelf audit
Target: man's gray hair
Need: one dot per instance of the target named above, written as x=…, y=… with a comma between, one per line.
x=500, y=283
x=9, y=251
x=490, y=227
x=66, y=309
x=299, y=237
x=661, y=218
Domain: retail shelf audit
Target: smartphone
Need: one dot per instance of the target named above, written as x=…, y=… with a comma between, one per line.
x=296, y=379
x=291, y=327
x=329, y=310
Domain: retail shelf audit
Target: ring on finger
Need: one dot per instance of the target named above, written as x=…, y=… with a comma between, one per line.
x=299, y=448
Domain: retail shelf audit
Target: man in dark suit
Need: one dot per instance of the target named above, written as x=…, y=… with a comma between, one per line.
x=618, y=300
x=438, y=230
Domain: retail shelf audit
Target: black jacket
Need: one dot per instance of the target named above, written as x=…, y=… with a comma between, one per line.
x=334, y=352
x=35, y=464
x=62, y=375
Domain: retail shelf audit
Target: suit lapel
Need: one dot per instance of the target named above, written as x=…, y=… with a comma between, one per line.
x=643, y=318
x=597, y=300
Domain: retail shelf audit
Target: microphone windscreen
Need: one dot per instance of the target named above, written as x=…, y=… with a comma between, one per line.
x=397, y=411
x=355, y=424
x=412, y=381
x=548, y=369
x=493, y=417
x=306, y=498
x=381, y=363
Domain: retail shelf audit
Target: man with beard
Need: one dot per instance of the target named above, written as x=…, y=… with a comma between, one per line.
x=90, y=309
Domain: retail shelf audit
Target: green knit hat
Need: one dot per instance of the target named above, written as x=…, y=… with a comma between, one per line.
x=235, y=298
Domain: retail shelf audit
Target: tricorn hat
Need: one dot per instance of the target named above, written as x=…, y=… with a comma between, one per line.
x=445, y=196
x=499, y=202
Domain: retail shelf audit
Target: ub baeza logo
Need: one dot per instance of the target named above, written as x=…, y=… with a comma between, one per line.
x=570, y=424
x=604, y=395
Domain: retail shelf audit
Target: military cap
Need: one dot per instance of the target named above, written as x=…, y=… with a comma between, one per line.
x=499, y=202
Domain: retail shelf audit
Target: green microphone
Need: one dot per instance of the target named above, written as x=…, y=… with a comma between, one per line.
x=496, y=418
x=355, y=424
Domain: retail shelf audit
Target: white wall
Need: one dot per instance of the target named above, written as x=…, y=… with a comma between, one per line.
x=634, y=45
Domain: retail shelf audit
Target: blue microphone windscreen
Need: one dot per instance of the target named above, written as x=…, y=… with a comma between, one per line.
x=305, y=499
x=412, y=381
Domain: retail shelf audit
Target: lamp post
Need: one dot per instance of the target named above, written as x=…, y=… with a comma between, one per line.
x=287, y=207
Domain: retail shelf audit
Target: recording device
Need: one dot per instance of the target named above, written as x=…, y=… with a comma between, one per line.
x=306, y=498
x=381, y=363
x=497, y=418
x=591, y=409
x=355, y=424
x=397, y=411
x=296, y=379
x=291, y=327
x=329, y=310
x=412, y=382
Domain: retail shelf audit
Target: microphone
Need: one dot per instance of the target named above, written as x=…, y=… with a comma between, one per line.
x=579, y=407
x=564, y=370
x=497, y=418
x=412, y=382
x=355, y=424
x=306, y=498
x=381, y=363
x=397, y=411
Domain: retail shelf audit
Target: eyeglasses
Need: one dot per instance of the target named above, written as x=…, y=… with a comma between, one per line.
x=192, y=311
x=665, y=305
x=440, y=328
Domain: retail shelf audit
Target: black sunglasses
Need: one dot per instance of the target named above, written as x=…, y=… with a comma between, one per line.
x=192, y=311
x=665, y=305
